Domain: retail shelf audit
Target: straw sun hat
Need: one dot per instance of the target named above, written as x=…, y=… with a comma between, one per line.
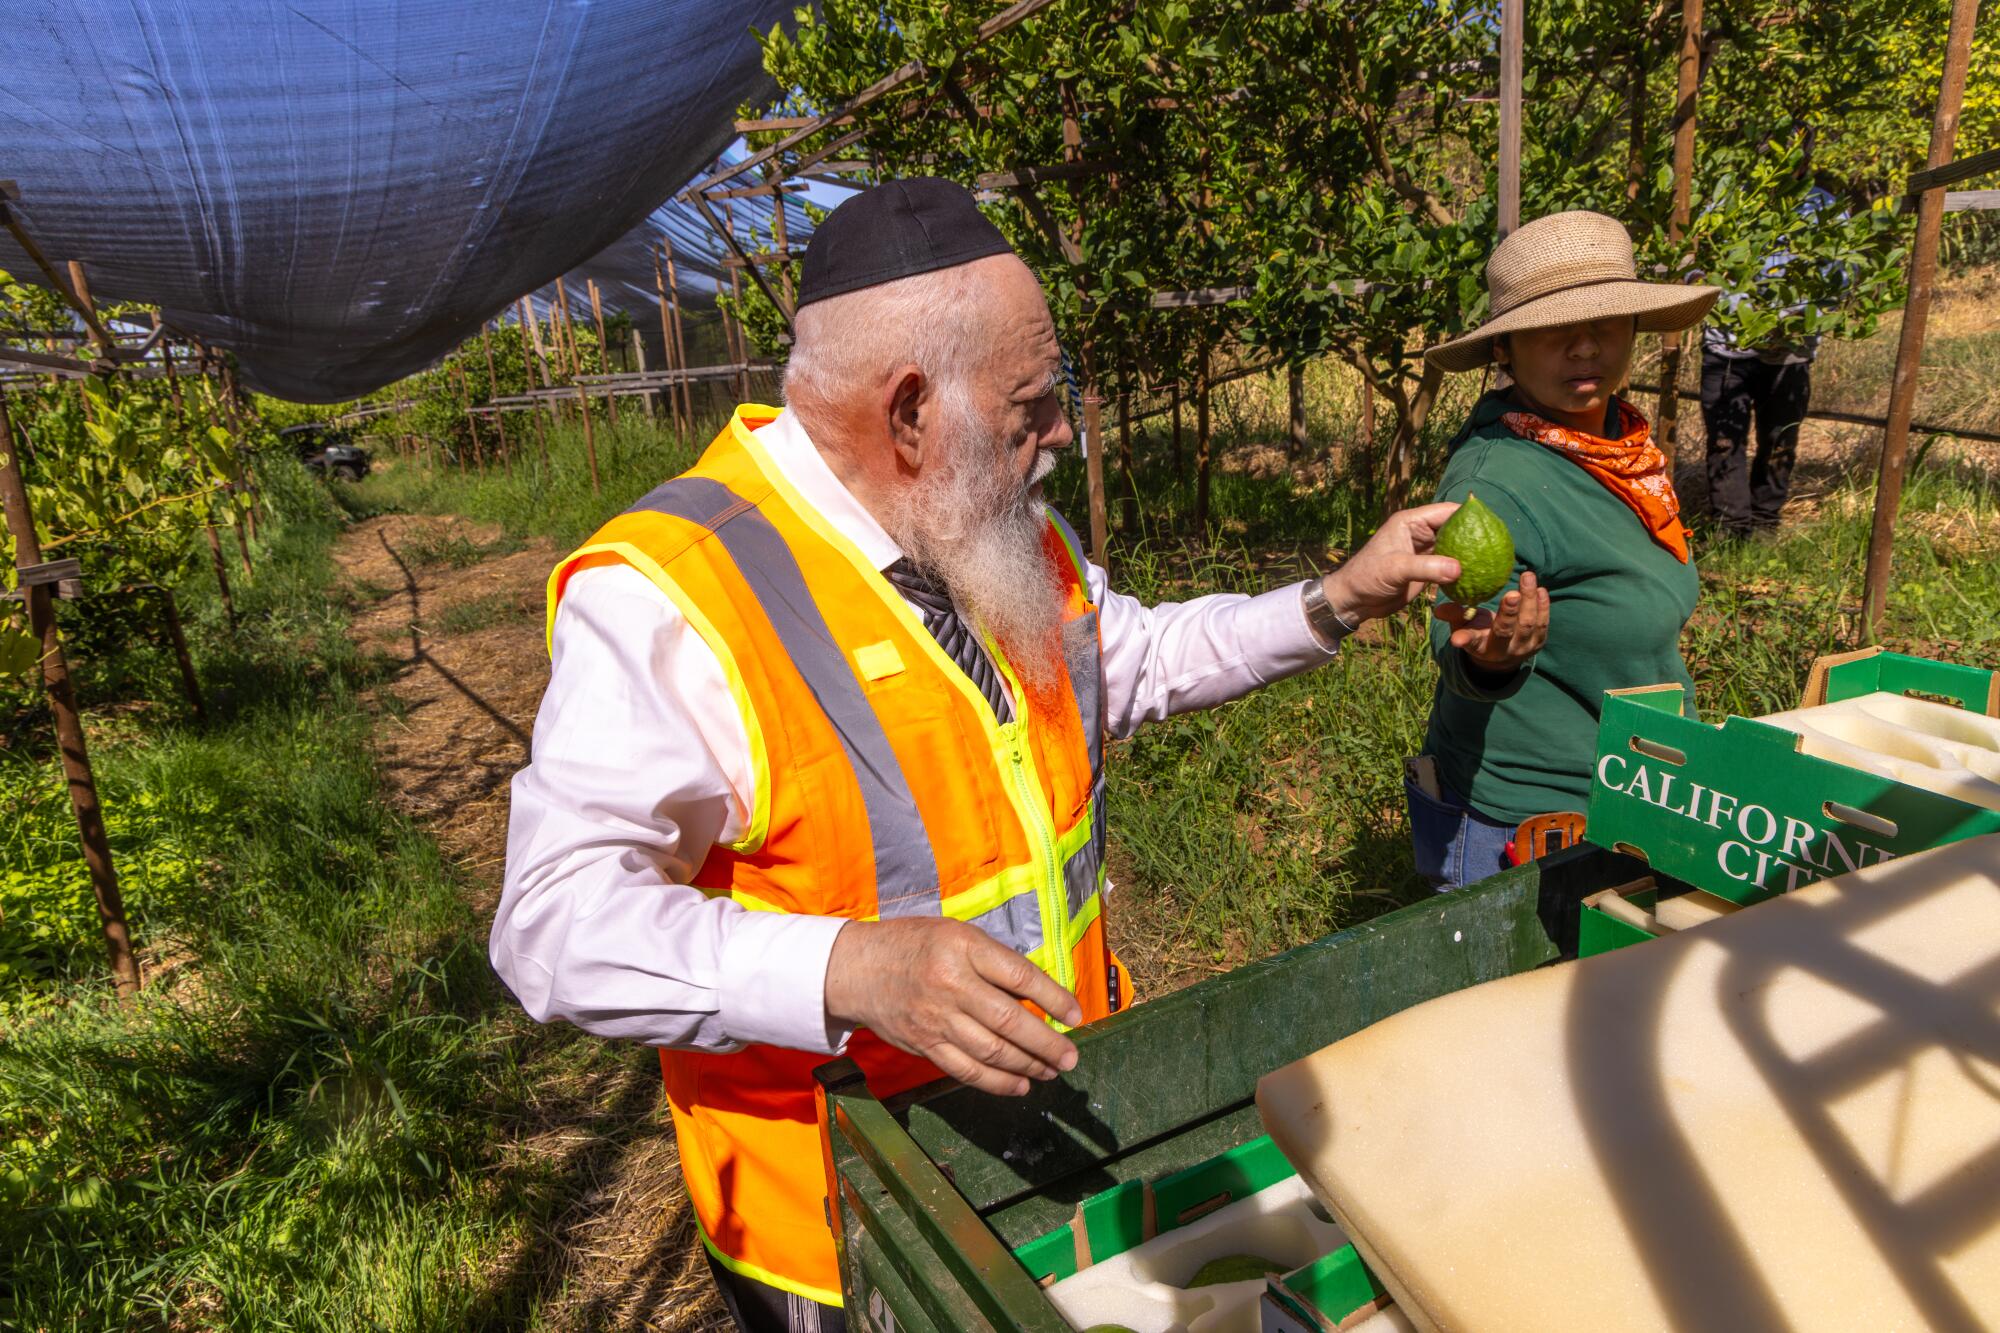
x=1567, y=268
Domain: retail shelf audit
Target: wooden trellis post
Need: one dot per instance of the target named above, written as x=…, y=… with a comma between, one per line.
x=1100, y=519
x=669, y=315
x=534, y=336
x=1511, y=26
x=568, y=326
x=69, y=726
x=603, y=349
x=1295, y=409
x=1666, y=416
x=471, y=421
x=1916, y=312
x=740, y=352
x=492, y=392
x=589, y=438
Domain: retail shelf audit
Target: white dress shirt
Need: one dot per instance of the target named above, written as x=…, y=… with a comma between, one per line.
x=640, y=765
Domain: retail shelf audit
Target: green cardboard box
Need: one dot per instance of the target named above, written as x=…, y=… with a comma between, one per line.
x=1739, y=811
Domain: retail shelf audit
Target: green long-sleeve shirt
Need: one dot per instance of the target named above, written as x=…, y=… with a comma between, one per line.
x=1525, y=744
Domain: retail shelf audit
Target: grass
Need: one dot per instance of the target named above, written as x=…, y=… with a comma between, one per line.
x=533, y=499
x=300, y=1123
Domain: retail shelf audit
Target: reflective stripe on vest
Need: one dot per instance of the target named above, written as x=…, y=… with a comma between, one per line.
x=884, y=786
x=902, y=850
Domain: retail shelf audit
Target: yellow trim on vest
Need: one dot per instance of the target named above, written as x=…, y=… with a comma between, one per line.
x=878, y=661
x=759, y=824
x=743, y=1268
x=988, y=894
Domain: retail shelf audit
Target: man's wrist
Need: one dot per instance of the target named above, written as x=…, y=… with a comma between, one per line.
x=1329, y=621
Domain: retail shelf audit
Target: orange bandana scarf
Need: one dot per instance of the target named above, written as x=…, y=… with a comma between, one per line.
x=1631, y=467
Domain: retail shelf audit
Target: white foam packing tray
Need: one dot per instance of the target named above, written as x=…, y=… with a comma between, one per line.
x=1951, y=751
x=1140, y=1288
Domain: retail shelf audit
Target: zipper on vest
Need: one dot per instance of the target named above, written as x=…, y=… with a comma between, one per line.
x=1054, y=900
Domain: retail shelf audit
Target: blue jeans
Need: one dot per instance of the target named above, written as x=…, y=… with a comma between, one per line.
x=1455, y=844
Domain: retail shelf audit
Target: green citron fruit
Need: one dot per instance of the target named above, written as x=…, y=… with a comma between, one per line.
x=1232, y=1268
x=1476, y=538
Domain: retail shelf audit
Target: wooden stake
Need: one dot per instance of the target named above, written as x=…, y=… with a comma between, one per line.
x=69, y=726
x=1367, y=417
x=534, y=333
x=1093, y=462
x=1295, y=402
x=1201, y=439
x=471, y=421
x=221, y=573
x=741, y=353
x=1128, y=516
x=1174, y=406
x=1666, y=416
x=667, y=341
x=492, y=392
x=1511, y=25
x=589, y=439
x=603, y=350
x=242, y=546
x=778, y=238
x=170, y=613
x=1916, y=313
x=1635, y=119
x=680, y=333
x=568, y=325
x=173, y=381
x=639, y=360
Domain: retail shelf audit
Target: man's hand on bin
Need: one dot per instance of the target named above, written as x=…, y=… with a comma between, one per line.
x=951, y=993
x=1395, y=565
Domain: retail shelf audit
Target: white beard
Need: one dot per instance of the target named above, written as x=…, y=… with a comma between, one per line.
x=978, y=530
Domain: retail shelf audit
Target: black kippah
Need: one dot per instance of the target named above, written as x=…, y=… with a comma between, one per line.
x=896, y=230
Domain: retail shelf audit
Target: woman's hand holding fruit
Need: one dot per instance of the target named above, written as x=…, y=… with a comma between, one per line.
x=1501, y=641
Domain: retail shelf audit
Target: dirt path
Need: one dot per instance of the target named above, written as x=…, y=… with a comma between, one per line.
x=458, y=608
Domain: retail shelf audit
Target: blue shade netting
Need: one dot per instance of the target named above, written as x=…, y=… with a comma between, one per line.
x=340, y=193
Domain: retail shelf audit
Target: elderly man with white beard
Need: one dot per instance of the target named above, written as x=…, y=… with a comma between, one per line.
x=819, y=770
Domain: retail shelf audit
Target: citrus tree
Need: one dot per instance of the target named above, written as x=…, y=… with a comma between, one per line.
x=122, y=474
x=1333, y=165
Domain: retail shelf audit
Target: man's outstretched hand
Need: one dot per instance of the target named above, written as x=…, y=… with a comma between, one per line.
x=951, y=993
x=1392, y=569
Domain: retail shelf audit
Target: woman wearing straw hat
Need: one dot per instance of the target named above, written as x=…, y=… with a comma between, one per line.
x=1602, y=582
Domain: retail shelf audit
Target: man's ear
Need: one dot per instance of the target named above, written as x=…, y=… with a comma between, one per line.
x=1502, y=353
x=905, y=404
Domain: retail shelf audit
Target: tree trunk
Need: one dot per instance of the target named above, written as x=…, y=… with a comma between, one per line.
x=1201, y=445
x=1295, y=397
x=1128, y=507
x=1411, y=412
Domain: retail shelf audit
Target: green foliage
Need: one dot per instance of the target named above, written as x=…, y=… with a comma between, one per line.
x=122, y=474
x=1337, y=162
x=296, y=1124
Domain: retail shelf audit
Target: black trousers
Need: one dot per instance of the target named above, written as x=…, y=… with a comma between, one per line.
x=1743, y=493
x=757, y=1308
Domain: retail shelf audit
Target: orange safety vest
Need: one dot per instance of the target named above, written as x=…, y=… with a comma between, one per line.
x=884, y=786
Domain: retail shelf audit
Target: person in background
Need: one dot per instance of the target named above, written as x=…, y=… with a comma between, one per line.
x=1771, y=382
x=1602, y=582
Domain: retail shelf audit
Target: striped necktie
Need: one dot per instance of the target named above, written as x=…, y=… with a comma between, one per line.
x=956, y=637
